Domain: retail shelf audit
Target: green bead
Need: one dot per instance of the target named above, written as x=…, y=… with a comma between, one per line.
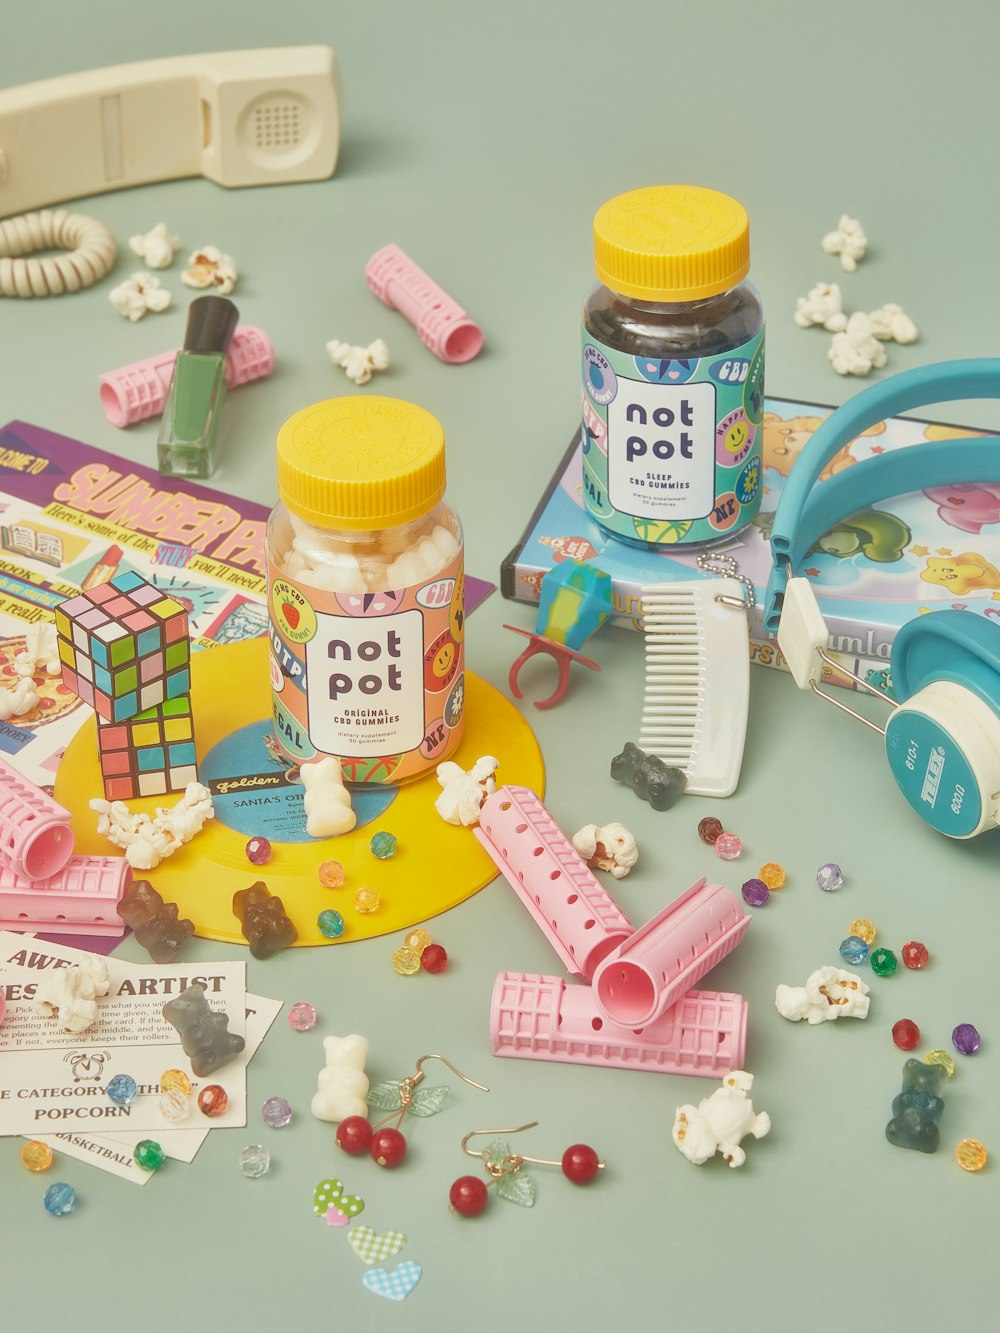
x=883, y=962
x=149, y=1155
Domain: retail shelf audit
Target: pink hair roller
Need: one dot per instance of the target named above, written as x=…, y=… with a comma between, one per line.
x=440, y=321
x=80, y=900
x=572, y=910
x=138, y=392
x=542, y=1018
x=653, y=968
x=36, y=840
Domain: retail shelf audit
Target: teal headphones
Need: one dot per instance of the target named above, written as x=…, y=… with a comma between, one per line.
x=942, y=738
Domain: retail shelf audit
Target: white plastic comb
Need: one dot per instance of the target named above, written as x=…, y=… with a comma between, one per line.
x=694, y=711
x=802, y=633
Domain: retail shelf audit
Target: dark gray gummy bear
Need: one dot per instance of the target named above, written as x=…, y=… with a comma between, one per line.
x=649, y=777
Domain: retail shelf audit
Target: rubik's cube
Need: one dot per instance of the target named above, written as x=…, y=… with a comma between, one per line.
x=124, y=650
x=149, y=754
x=124, y=647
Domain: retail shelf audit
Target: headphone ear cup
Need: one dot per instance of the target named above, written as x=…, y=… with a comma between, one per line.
x=943, y=748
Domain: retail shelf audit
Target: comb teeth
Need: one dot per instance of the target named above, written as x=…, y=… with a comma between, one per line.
x=697, y=671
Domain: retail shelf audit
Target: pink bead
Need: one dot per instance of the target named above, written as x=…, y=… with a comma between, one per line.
x=258, y=851
x=728, y=846
x=302, y=1016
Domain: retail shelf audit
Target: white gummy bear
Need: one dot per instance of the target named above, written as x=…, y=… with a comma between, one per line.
x=70, y=994
x=610, y=847
x=719, y=1122
x=829, y=993
x=342, y=1082
x=327, y=801
x=462, y=793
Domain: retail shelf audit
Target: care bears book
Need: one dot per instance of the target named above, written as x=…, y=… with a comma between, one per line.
x=924, y=551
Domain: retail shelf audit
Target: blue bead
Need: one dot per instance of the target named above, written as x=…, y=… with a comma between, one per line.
x=331, y=924
x=383, y=845
x=59, y=1199
x=122, y=1089
x=853, y=949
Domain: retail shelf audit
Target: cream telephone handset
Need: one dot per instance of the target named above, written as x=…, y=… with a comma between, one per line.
x=238, y=117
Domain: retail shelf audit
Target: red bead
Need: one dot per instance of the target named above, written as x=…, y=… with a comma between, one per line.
x=388, y=1147
x=914, y=954
x=468, y=1196
x=434, y=958
x=905, y=1034
x=580, y=1163
x=354, y=1135
x=709, y=830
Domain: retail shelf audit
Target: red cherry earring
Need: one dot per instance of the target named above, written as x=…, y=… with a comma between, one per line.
x=385, y=1142
x=468, y=1196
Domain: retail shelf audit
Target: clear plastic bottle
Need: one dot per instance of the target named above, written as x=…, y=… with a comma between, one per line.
x=673, y=369
x=366, y=591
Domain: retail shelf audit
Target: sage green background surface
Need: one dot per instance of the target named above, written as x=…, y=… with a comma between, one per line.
x=481, y=138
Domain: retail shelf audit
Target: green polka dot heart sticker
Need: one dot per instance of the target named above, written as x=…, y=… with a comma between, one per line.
x=340, y=1208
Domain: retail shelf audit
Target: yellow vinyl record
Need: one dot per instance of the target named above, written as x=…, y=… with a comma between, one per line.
x=435, y=865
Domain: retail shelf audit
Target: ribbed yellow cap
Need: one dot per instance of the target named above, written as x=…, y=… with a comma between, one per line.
x=361, y=462
x=671, y=243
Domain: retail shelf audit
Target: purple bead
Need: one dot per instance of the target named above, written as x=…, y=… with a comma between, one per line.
x=965, y=1039
x=258, y=851
x=276, y=1112
x=755, y=892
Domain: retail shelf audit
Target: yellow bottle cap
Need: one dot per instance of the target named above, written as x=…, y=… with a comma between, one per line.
x=361, y=462
x=671, y=243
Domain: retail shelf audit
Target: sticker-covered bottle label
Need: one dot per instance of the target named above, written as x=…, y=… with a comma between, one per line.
x=672, y=448
x=376, y=679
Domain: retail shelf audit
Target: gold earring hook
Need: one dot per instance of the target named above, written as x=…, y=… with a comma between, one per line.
x=408, y=1085
x=420, y=1073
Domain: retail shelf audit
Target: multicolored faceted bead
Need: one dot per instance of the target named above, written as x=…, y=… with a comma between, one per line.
x=148, y=1155
x=883, y=962
x=965, y=1039
x=331, y=874
x=864, y=929
x=943, y=1058
x=755, y=892
x=331, y=924
x=175, y=1080
x=772, y=874
x=255, y=1161
x=905, y=1034
x=213, y=1101
x=59, y=1199
x=302, y=1016
x=366, y=900
x=122, y=1089
x=174, y=1105
x=417, y=939
x=276, y=1112
x=728, y=846
x=258, y=851
x=830, y=877
x=406, y=961
x=383, y=845
x=914, y=955
x=853, y=950
x=971, y=1155
x=36, y=1156
x=710, y=829
x=434, y=958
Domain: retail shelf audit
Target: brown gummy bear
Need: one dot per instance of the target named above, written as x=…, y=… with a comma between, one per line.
x=154, y=923
x=204, y=1033
x=263, y=920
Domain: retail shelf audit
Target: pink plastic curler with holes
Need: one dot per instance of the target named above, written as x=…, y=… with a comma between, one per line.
x=576, y=915
x=137, y=392
x=439, y=320
x=536, y=1017
x=664, y=958
x=36, y=840
x=81, y=900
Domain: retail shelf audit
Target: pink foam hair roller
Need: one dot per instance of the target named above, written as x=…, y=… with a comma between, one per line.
x=574, y=912
x=439, y=320
x=536, y=1017
x=36, y=840
x=80, y=900
x=653, y=968
x=138, y=392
